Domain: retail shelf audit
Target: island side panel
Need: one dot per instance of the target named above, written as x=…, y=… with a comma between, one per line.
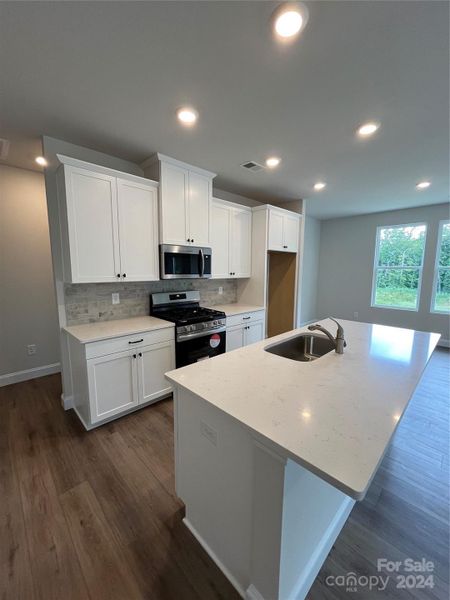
x=266, y=521
x=214, y=466
x=314, y=513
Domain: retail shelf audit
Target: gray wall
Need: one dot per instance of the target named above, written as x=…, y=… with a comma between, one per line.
x=27, y=301
x=310, y=270
x=346, y=267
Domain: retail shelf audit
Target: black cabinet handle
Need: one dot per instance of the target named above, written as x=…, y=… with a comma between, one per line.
x=124, y=275
x=118, y=275
x=136, y=341
x=140, y=354
x=134, y=355
x=246, y=318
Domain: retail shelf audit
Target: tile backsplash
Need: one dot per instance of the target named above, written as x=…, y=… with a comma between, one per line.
x=91, y=302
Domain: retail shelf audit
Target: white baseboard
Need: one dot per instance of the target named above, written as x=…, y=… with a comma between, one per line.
x=444, y=343
x=240, y=590
x=66, y=402
x=253, y=593
x=19, y=376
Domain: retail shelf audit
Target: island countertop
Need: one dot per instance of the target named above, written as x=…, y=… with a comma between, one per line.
x=335, y=415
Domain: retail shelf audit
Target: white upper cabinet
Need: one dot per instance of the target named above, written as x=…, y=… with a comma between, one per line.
x=91, y=226
x=220, y=236
x=109, y=224
x=199, y=209
x=137, y=206
x=185, y=197
x=231, y=234
x=173, y=204
x=283, y=230
x=241, y=242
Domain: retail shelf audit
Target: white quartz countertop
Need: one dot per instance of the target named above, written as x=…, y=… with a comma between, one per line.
x=336, y=415
x=236, y=308
x=103, y=330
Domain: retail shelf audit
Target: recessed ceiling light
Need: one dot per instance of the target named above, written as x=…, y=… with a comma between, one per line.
x=290, y=19
x=367, y=129
x=187, y=115
x=320, y=185
x=41, y=161
x=272, y=162
x=423, y=185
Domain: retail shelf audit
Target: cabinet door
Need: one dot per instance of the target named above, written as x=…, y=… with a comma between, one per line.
x=290, y=233
x=235, y=338
x=199, y=209
x=254, y=333
x=138, y=231
x=92, y=225
x=220, y=238
x=241, y=242
x=275, y=231
x=153, y=362
x=112, y=381
x=174, y=206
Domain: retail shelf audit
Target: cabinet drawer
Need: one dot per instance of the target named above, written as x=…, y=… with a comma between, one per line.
x=128, y=342
x=245, y=318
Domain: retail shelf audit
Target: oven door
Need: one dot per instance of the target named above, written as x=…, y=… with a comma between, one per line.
x=185, y=262
x=194, y=348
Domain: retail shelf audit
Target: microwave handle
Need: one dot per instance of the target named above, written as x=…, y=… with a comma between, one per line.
x=202, y=262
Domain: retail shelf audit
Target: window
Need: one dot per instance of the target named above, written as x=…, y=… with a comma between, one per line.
x=441, y=288
x=398, y=266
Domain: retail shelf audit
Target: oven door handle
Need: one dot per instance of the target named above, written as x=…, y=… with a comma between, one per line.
x=202, y=262
x=183, y=337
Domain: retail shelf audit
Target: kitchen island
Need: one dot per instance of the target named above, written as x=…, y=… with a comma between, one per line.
x=271, y=453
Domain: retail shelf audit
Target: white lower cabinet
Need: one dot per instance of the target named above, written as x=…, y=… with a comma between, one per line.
x=244, y=329
x=112, y=385
x=153, y=361
x=108, y=385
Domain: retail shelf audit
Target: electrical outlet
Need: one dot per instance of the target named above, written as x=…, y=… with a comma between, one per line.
x=115, y=298
x=208, y=432
x=31, y=349
x=220, y=290
x=355, y=314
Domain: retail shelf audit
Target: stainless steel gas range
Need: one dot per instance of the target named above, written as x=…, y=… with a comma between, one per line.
x=199, y=332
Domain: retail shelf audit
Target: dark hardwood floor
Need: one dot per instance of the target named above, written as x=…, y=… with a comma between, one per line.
x=94, y=515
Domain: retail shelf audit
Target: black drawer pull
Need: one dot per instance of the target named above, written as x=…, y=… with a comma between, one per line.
x=140, y=354
x=246, y=318
x=136, y=341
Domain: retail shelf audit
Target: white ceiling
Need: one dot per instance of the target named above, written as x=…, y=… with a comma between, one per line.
x=109, y=76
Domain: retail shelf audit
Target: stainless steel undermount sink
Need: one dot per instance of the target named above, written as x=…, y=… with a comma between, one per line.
x=304, y=347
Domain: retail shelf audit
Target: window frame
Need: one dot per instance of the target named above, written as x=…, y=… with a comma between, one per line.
x=409, y=268
x=437, y=268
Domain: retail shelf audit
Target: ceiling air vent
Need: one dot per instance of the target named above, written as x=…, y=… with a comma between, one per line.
x=251, y=165
x=4, y=148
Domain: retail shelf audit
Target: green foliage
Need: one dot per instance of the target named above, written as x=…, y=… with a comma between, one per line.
x=404, y=247
x=400, y=247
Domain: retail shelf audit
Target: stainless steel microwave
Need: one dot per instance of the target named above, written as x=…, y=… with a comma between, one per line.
x=184, y=262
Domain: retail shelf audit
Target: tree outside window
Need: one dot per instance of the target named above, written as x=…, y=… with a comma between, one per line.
x=441, y=292
x=398, y=266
